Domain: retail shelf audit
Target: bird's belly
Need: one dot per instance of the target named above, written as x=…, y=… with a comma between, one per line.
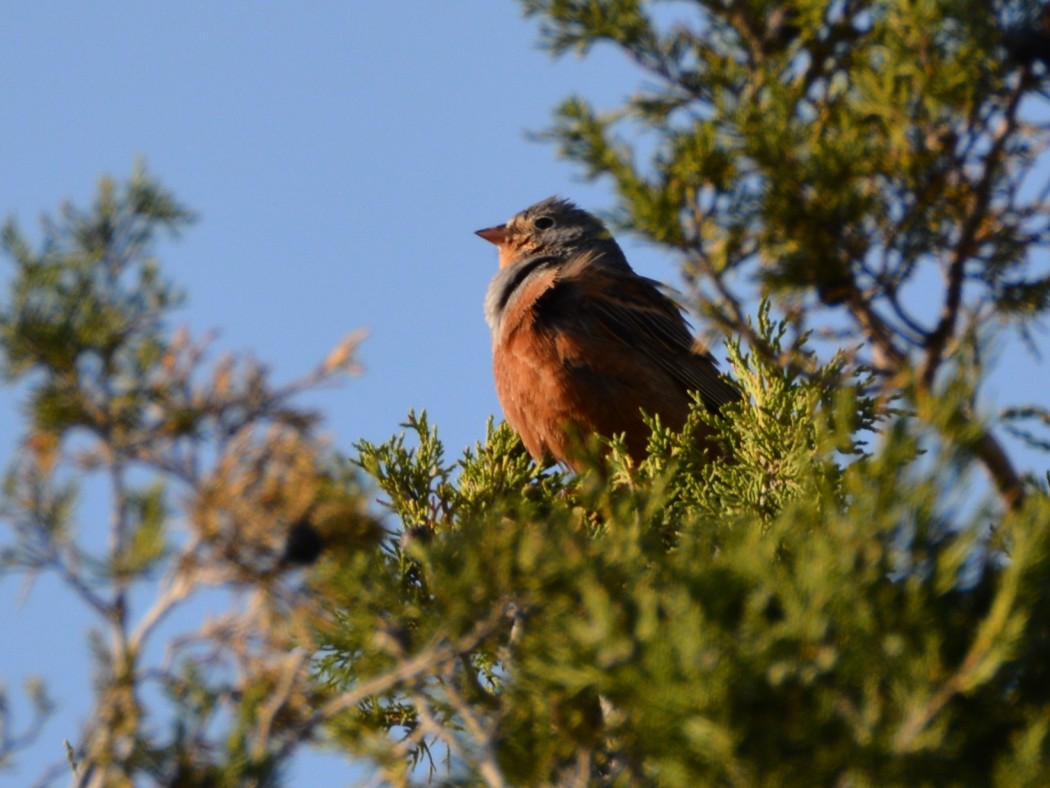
x=558, y=392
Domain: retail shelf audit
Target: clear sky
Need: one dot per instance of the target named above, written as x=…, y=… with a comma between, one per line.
x=340, y=156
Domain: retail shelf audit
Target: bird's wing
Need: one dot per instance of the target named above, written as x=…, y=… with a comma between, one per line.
x=632, y=310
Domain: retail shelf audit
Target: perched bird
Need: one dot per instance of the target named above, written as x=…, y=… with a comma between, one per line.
x=581, y=344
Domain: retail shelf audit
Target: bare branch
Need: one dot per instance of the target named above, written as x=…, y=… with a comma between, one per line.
x=938, y=339
x=996, y=461
x=488, y=766
x=177, y=588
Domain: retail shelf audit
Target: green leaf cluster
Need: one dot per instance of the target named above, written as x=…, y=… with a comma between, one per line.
x=812, y=610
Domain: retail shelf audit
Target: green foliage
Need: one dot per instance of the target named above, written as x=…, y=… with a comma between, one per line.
x=146, y=547
x=92, y=295
x=793, y=616
x=840, y=151
x=823, y=598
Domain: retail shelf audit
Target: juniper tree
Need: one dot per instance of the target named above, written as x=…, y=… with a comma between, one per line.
x=825, y=607
x=830, y=606
x=839, y=158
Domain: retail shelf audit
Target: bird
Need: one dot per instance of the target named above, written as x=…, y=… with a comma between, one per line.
x=581, y=344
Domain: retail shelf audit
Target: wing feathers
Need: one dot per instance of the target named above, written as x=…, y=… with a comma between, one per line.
x=632, y=310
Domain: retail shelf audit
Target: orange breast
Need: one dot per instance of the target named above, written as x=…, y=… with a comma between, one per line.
x=558, y=387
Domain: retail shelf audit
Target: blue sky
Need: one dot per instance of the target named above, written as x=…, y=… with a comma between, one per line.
x=340, y=156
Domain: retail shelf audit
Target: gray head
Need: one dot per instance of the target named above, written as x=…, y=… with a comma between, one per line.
x=553, y=227
x=551, y=233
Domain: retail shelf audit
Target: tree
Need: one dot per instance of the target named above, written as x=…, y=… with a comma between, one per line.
x=210, y=475
x=823, y=608
x=819, y=610
x=831, y=156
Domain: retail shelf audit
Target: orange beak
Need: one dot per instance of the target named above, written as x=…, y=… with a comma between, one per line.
x=494, y=235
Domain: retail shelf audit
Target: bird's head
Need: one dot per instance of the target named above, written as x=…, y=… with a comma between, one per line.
x=554, y=227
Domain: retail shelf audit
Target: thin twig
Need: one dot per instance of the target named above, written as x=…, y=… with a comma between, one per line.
x=293, y=669
x=937, y=340
x=488, y=766
x=179, y=586
x=423, y=662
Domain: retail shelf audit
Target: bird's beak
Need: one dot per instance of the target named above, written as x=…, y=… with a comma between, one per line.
x=494, y=235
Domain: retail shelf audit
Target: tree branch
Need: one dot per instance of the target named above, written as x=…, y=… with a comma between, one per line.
x=407, y=670
x=937, y=341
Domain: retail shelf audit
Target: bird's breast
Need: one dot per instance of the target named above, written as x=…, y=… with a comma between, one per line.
x=514, y=289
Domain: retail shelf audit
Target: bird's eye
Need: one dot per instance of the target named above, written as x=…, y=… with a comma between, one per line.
x=543, y=223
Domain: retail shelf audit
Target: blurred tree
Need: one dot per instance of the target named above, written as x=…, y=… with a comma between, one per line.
x=835, y=605
x=205, y=472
